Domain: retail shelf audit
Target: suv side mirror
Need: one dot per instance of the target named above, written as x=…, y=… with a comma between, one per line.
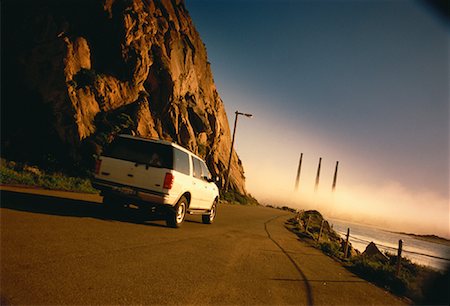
x=213, y=179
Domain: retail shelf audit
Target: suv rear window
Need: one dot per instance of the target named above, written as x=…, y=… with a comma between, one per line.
x=142, y=152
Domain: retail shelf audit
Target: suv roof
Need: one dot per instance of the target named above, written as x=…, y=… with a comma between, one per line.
x=164, y=142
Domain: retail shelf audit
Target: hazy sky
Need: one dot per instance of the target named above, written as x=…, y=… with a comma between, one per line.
x=362, y=82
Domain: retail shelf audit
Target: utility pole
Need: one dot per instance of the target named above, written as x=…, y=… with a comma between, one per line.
x=227, y=182
x=318, y=175
x=298, y=171
x=333, y=187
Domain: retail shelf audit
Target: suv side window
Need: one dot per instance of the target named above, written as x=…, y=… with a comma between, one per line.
x=181, y=161
x=197, y=168
x=206, y=175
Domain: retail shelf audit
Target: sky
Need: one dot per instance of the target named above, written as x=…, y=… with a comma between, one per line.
x=364, y=83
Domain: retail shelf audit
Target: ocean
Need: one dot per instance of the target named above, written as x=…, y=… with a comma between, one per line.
x=418, y=251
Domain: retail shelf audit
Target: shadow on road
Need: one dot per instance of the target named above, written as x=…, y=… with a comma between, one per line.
x=318, y=280
x=44, y=204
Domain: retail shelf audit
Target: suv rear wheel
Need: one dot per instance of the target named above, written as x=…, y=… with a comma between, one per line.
x=175, y=216
x=209, y=218
x=112, y=204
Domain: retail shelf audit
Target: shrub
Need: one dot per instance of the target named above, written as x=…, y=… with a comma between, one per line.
x=330, y=248
x=382, y=274
x=17, y=174
x=237, y=198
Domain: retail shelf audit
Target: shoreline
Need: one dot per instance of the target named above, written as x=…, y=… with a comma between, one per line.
x=424, y=237
x=428, y=238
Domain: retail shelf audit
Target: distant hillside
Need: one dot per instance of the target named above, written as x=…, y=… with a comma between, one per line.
x=76, y=72
x=430, y=238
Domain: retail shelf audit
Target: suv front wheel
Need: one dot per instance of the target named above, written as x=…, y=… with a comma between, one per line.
x=175, y=216
x=209, y=218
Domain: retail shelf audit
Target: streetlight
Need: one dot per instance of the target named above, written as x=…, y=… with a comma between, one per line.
x=227, y=182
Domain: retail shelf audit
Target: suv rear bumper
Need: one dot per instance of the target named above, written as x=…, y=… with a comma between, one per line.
x=133, y=193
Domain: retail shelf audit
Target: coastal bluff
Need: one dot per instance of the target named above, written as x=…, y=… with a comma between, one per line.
x=74, y=69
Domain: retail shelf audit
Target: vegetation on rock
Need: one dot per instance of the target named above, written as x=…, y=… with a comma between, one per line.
x=234, y=197
x=18, y=173
x=14, y=173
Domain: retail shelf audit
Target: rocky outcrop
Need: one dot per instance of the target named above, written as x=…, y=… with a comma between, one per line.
x=76, y=63
x=374, y=253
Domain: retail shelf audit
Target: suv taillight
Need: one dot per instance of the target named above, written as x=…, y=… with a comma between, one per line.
x=168, y=181
x=98, y=164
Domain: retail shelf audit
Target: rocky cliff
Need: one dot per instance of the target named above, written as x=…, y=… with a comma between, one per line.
x=71, y=69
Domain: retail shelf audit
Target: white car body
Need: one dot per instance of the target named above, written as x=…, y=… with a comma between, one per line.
x=156, y=174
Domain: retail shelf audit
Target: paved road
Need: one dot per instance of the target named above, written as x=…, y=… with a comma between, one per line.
x=64, y=248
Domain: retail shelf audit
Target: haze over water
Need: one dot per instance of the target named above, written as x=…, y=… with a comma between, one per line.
x=414, y=249
x=365, y=83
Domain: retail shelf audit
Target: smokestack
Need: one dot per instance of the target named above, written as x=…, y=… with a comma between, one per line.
x=298, y=172
x=335, y=176
x=318, y=175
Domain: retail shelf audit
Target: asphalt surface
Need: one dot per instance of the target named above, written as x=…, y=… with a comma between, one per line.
x=65, y=248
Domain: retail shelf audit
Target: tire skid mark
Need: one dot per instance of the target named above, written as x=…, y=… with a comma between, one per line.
x=305, y=281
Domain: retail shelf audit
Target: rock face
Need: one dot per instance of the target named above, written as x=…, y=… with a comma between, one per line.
x=71, y=65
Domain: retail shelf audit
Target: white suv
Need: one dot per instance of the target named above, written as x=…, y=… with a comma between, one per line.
x=156, y=174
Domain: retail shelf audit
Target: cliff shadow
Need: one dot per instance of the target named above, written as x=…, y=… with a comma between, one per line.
x=50, y=205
